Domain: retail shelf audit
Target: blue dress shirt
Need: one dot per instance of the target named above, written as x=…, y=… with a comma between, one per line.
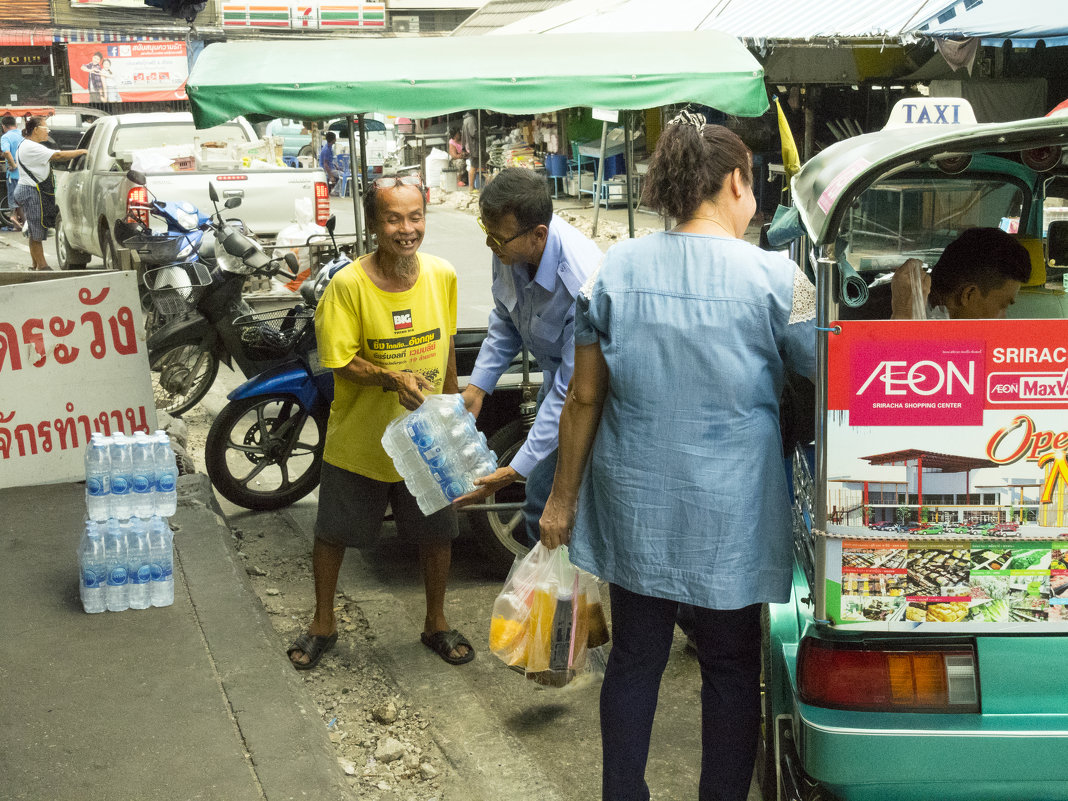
x=685, y=493
x=541, y=314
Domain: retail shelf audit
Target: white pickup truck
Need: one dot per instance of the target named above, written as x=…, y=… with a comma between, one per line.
x=93, y=191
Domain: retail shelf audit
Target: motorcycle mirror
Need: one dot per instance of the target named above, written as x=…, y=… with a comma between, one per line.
x=212, y=193
x=331, y=224
x=292, y=262
x=136, y=177
x=232, y=202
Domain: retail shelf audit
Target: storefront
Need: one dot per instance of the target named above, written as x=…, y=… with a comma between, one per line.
x=26, y=74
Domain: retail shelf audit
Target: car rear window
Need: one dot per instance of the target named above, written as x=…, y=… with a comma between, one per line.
x=129, y=138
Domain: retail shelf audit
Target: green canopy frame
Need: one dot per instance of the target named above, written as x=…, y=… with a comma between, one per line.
x=431, y=76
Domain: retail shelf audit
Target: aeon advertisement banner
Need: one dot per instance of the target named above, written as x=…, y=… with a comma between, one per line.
x=947, y=474
x=128, y=71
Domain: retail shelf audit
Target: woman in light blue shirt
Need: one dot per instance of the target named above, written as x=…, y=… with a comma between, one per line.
x=671, y=484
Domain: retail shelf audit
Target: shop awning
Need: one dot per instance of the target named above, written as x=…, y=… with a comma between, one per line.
x=942, y=462
x=780, y=21
x=426, y=77
x=997, y=21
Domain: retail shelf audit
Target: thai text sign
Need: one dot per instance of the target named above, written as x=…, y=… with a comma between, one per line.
x=72, y=361
x=128, y=71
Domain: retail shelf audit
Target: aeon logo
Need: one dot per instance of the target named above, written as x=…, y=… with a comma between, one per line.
x=917, y=383
x=922, y=378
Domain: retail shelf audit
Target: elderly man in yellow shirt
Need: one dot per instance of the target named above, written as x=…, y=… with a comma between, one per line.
x=385, y=326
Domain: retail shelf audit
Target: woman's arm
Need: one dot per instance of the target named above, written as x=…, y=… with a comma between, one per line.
x=579, y=421
x=67, y=155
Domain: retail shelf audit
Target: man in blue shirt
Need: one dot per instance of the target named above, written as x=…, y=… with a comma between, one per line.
x=9, y=143
x=326, y=159
x=539, y=264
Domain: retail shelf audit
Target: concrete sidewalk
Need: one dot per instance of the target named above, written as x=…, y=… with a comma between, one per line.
x=192, y=701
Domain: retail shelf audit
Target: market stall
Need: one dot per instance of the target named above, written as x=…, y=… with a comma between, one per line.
x=428, y=77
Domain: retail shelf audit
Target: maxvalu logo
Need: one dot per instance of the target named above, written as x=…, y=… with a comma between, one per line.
x=1028, y=387
x=917, y=383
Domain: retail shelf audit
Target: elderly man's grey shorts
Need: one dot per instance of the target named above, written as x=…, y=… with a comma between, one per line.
x=351, y=508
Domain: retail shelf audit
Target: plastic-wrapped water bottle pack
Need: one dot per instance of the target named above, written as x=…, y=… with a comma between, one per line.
x=438, y=451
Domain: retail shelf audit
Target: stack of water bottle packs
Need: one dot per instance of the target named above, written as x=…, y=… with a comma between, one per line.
x=126, y=555
x=438, y=451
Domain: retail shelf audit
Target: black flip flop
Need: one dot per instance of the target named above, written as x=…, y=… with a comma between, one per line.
x=312, y=646
x=443, y=643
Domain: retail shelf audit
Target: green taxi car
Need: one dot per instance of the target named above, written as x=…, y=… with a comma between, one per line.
x=924, y=668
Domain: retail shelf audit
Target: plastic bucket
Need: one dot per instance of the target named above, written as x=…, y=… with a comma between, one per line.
x=556, y=165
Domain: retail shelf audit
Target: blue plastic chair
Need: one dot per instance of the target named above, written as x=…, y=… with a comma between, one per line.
x=344, y=168
x=557, y=168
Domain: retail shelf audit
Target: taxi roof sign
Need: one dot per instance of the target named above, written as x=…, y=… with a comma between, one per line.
x=911, y=112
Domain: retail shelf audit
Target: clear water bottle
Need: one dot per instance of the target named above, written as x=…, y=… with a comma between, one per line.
x=438, y=451
x=166, y=475
x=121, y=477
x=144, y=476
x=161, y=554
x=91, y=564
x=97, y=478
x=138, y=564
x=115, y=561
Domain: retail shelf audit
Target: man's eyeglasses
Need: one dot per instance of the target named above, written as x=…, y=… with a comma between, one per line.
x=502, y=242
x=390, y=181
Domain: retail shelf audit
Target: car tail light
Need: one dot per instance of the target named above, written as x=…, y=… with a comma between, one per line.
x=888, y=677
x=322, y=203
x=137, y=204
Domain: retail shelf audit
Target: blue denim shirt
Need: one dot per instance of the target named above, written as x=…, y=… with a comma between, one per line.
x=541, y=314
x=685, y=493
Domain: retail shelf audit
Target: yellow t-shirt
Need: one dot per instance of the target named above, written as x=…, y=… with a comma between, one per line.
x=409, y=330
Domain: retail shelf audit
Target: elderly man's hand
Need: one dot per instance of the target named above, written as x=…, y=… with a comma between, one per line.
x=409, y=388
x=903, y=289
x=488, y=485
x=557, y=520
x=473, y=396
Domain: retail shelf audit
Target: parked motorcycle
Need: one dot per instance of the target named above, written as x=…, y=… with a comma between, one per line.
x=202, y=309
x=186, y=228
x=265, y=448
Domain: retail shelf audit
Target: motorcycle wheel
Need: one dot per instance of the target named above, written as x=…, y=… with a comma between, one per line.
x=266, y=452
x=501, y=536
x=182, y=376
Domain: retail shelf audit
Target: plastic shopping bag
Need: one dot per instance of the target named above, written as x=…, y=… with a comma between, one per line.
x=547, y=618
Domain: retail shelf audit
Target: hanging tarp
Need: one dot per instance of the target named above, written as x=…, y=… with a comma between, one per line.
x=997, y=21
x=427, y=77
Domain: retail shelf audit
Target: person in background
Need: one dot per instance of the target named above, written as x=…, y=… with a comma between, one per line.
x=326, y=159
x=400, y=298
x=35, y=166
x=110, y=85
x=977, y=277
x=456, y=155
x=9, y=143
x=469, y=138
x=95, y=80
x=670, y=483
x=539, y=263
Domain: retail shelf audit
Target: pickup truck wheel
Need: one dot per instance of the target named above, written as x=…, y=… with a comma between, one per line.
x=69, y=258
x=107, y=247
x=182, y=376
x=501, y=536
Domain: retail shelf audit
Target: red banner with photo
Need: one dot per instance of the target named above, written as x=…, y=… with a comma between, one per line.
x=128, y=71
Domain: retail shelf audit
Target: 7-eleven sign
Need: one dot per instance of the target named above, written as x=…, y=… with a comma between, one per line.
x=305, y=16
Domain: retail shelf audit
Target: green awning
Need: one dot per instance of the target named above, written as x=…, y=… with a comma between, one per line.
x=429, y=76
